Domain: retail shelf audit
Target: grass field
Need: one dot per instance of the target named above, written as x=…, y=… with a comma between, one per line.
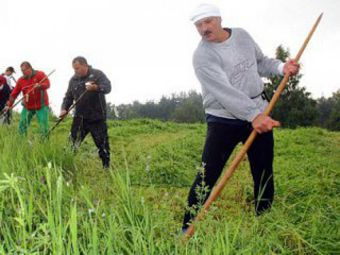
x=55, y=202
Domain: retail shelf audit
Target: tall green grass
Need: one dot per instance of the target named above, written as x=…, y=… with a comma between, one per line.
x=53, y=201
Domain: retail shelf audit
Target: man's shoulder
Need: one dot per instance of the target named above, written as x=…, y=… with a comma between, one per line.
x=39, y=73
x=2, y=79
x=74, y=79
x=20, y=80
x=240, y=33
x=238, y=30
x=203, y=54
x=96, y=72
x=202, y=49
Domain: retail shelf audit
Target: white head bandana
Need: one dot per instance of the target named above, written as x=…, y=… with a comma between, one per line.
x=203, y=11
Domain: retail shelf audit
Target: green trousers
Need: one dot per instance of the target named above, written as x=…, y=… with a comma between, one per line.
x=26, y=117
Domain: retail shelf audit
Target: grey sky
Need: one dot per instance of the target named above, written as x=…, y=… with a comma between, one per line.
x=145, y=47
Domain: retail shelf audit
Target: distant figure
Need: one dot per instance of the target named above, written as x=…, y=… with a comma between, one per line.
x=35, y=98
x=9, y=76
x=90, y=110
x=229, y=65
x=5, y=92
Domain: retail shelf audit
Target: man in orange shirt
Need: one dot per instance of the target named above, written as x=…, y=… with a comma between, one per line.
x=33, y=84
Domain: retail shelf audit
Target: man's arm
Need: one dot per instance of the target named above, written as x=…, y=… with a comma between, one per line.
x=103, y=83
x=43, y=81
x=270, y=66
x=15, y=92
x=67, y=101
x=6, y=91
x=267, y=66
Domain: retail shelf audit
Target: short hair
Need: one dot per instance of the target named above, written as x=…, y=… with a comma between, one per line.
x=81, y=60
x=10, y=69
x=26, y=63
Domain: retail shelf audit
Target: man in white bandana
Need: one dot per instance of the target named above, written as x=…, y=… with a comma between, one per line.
x=229, y=65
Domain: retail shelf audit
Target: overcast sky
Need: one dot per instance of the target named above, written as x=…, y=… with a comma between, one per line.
x=145, y=47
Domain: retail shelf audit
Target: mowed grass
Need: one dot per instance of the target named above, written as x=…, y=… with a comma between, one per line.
x=53, y=201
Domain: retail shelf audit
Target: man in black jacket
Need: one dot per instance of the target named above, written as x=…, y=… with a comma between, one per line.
x=5, y=92
x=90, y=110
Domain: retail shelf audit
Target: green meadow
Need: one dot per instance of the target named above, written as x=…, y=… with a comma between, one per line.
x=53, y=201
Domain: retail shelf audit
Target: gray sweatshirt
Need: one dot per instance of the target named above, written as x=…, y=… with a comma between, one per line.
x=230, y=75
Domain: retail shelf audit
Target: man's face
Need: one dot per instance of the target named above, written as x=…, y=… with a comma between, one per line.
x=209, y=28
x=8, y=73
x=79, y=69
x=26, y=71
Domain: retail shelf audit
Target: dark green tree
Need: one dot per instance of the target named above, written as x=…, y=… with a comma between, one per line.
x=182, y=107
x=333, y=121
x=324, y=109
x=190, y=109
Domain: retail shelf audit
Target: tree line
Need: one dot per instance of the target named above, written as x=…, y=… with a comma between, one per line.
x=295, y=107
x=182, y=107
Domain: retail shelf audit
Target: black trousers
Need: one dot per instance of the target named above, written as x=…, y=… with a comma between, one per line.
x=221, y=140
x=6, y=118
x=98, y=129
